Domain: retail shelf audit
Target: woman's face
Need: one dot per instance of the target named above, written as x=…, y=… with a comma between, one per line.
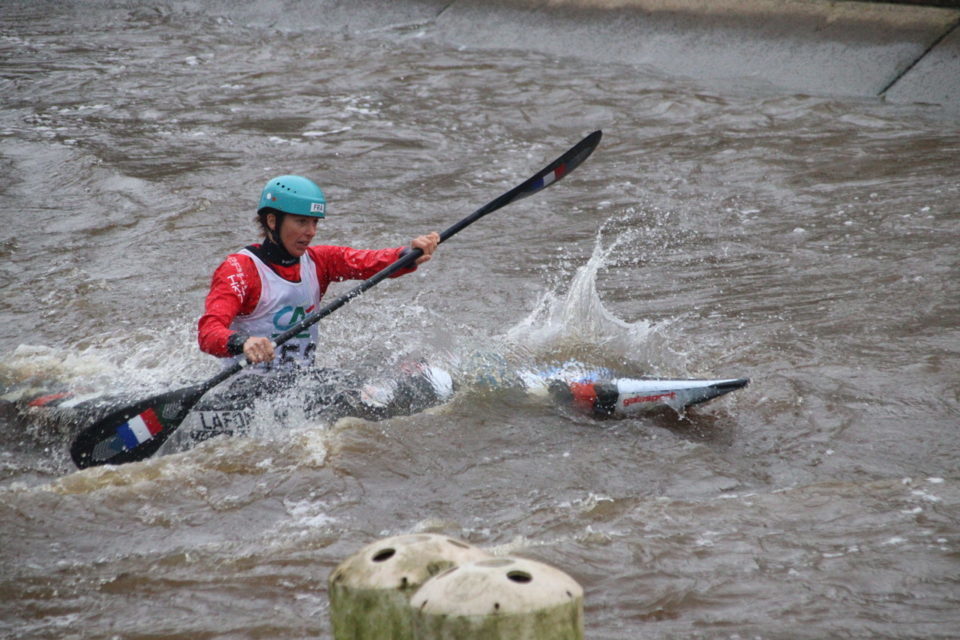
x=296, y=232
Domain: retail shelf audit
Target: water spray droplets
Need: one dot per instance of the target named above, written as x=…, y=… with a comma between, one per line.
x=576, y=319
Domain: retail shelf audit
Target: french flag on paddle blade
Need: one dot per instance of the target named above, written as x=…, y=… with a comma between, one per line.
x=139, y=429
x=552, y=177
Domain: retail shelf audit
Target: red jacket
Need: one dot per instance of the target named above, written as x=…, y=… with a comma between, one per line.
x=235, y=288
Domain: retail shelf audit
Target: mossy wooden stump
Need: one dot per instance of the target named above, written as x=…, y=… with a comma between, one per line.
x=499, y=599
x=370, y=591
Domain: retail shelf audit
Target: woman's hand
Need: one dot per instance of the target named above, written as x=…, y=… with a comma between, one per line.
x=258, y=349
x=427, y=244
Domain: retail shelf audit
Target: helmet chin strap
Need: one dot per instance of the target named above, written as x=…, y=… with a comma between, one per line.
x=273, y=249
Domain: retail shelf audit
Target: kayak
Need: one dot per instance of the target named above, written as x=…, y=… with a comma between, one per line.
x=329, y=395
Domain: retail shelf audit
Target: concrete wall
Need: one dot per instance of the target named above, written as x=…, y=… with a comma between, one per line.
x=904, y=53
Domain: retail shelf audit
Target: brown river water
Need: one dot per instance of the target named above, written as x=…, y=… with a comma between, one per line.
x=808, y=243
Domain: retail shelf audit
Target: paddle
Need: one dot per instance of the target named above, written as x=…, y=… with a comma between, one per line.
x=136, y=431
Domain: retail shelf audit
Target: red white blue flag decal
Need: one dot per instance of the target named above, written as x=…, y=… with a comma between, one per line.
x=139, y=429
x=551, y=177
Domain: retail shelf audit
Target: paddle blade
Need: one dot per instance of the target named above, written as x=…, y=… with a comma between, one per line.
x=134, y=432
x=550, y=174
x=560, y=167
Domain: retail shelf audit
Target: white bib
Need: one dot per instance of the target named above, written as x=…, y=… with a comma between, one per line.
x=282, y=304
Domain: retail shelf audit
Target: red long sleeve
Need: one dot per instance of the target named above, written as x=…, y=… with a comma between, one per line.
x=235, y=287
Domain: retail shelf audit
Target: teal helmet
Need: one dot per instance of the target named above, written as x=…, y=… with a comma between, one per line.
x=293, y=194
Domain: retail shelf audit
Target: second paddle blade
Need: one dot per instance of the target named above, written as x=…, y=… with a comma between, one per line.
x=136, y=431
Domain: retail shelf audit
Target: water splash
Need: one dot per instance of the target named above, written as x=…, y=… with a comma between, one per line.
x=575, y=324
x=141, y=361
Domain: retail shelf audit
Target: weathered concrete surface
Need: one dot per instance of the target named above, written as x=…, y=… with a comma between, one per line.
x=911, y=53
x=904, y=52
x=935, y=78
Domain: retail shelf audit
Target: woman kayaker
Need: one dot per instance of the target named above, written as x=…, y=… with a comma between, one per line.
x=264, y=289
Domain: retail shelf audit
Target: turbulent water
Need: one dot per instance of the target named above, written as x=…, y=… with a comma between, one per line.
x=808, y=243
